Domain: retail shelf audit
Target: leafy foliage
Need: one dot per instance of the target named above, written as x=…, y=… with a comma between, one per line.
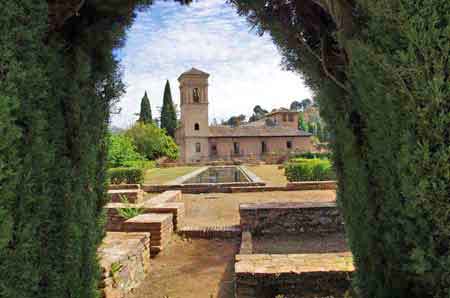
x=235, y=120
x=168, y=113
x=309, y=170
x=145, y=114
x=122, y=151
x=152, y=142
x=130, y=211
x=258, y=113
x=58, y=81
x=126, y=175
x=380, y=73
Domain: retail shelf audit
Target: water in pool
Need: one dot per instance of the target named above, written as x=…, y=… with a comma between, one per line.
x=219, y=175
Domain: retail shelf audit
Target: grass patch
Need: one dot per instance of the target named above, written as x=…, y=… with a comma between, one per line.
x=271, y=174
x=164, y=175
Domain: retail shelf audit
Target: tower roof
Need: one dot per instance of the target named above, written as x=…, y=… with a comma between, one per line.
x=194, y=72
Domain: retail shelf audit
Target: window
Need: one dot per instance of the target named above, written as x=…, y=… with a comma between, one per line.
x=197, y=126
x=236, y=148
x=198, y=147
x=263, y=147
x=289, y=144
x=284, y=117
x=290, y=117
x=214, y=149
x=196, y=95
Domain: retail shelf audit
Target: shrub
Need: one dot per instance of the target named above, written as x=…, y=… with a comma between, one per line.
x=309, y=170
x=142, y=164
x=152, y=141
x=310, y=155
x=126, y=175
x=122, y=152
x=130, y=211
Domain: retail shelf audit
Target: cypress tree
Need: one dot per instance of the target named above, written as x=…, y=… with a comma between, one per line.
x=145, y=115
x=380, y=73
x=168, y=113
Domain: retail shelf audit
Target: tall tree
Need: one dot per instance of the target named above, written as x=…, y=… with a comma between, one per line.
x=296, y=106
x=145, y=116
x=168, y=113
x=380, y=72
x=258, y=113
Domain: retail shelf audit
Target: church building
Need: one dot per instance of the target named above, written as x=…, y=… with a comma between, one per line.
x=276, y=133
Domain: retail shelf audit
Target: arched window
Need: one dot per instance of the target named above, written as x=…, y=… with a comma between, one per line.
x=196, y=126
x=196, y=95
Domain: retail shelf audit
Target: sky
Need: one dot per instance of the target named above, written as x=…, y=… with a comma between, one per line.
x=168, y=39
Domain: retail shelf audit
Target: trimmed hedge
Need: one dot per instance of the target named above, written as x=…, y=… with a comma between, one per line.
x=310, y=170
x=126, y=175
x=311, y=155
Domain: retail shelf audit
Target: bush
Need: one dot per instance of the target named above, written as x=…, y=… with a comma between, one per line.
x=130, y=211
x=142, y=164
x=152, y=141
x=126, y=175
x=122, y=152
x=309, y=170
x=311, y=155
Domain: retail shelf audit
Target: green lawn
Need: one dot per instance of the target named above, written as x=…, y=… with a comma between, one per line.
x=270, y=174
x=164, y=175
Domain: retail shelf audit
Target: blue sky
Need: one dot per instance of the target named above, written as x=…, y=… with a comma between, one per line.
x=168, y=39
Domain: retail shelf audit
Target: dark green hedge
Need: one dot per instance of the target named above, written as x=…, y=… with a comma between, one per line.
x=126, y=175
x=309, y=170
x=381, y=74
x=57, y=86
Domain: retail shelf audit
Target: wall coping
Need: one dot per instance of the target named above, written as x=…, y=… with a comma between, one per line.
x=288, y=205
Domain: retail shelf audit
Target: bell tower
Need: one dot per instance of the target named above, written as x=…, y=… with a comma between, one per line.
x=194, y=129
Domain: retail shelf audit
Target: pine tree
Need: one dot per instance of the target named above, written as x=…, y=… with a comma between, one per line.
x=168, y=114
x=145, y=116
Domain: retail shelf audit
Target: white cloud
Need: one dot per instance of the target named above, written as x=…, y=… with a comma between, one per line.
x=168, y=39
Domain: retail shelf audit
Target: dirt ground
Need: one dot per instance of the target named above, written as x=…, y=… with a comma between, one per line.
x=222, y=209
x=300, y=244
x=271, y=174
x=193, y=268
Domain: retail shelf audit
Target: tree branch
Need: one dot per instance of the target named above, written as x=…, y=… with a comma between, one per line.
x=321, y=59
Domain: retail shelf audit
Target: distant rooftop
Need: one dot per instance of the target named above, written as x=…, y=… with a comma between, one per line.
x=281, y=110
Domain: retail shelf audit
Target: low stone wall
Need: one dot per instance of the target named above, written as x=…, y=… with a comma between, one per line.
x=199, y=188
x=286, y=218
x=222, y=232
x=131, y=195
x=162, y=203
x=311, y=185
x=125, y=261
x=307, y=275
x=124, y=186
x=113, y=220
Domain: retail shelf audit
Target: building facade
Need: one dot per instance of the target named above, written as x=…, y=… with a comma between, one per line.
x=276, y=133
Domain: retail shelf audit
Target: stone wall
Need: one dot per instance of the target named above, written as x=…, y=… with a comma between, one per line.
x=199, y=188
x=125, y=261
x=291, y=218
x=311, y=185
x=319, y=284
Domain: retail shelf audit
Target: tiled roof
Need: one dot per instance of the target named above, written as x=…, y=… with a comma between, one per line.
x=281, y=110
x=255, y=131
x=194, y=71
